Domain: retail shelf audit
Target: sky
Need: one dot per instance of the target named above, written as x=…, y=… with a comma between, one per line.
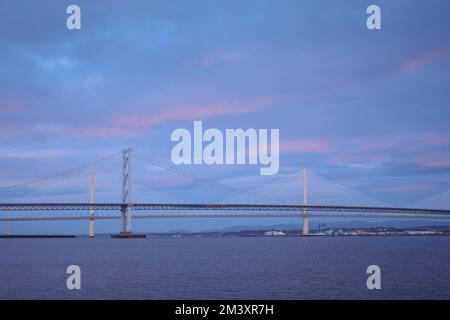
x=366, y=111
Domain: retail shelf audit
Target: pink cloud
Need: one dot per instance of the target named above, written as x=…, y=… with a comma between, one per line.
x=358, y=151
x=436, y=138
x=51, y=129
x=10, y=105
x=424, y=141
x=135, y=124
x=103, y=132
x=431, y=57
x=59, y=130
x=306, y=145
x=374, y=150
x=435, y=162
x=192, y=112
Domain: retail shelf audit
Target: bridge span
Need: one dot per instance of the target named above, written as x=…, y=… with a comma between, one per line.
x=126, y=209
x=246, y=211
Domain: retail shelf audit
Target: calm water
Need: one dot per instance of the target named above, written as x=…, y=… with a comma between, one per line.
x=226, y=268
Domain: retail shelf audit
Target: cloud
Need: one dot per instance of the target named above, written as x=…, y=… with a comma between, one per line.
x=437, y=138
x=306, y=145
x=35, y=153
x=434, y=161
x=134, y=125
x=404, y=188
x=102, y=132
x=375, y=152
x=11, y=105
x=435, y=56
x=192, y=112
x=231, y=56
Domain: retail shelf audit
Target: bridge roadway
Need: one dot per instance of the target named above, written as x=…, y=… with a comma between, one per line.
x=253, y=211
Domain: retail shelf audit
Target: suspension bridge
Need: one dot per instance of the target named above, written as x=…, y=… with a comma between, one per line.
x=126, y=209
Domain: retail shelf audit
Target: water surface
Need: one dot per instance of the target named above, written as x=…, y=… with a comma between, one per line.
x=226, y=268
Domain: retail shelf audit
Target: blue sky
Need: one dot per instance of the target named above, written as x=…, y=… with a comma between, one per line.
x=366, y=110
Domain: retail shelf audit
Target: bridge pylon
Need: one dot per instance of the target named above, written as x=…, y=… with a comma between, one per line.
x=126, y=191
x=305, y=202
x=126, y=207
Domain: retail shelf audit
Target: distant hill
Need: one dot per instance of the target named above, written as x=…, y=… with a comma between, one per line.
x=337, y=224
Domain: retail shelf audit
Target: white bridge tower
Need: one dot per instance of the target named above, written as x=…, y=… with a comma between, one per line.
x=126, y=206
x=126, y=192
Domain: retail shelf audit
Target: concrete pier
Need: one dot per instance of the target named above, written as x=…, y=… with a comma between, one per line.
x=128, y=235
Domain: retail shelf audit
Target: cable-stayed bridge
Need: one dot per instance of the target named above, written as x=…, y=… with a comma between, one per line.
x=126, y=209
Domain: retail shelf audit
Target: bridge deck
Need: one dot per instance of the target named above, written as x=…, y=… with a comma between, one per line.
x=205, y=216
x=250, y=211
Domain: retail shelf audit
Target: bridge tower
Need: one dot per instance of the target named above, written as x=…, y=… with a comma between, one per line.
x=92, y=200
x=126, y=191
x=305, y=202
x=125, y=211
x=9, y=228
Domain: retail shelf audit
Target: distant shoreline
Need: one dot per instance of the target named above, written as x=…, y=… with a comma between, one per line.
x=270, y=233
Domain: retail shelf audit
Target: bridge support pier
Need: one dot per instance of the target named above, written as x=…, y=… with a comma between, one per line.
x=305, y=225
x=91, y=228
x=305, y=202
x=125, y=214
